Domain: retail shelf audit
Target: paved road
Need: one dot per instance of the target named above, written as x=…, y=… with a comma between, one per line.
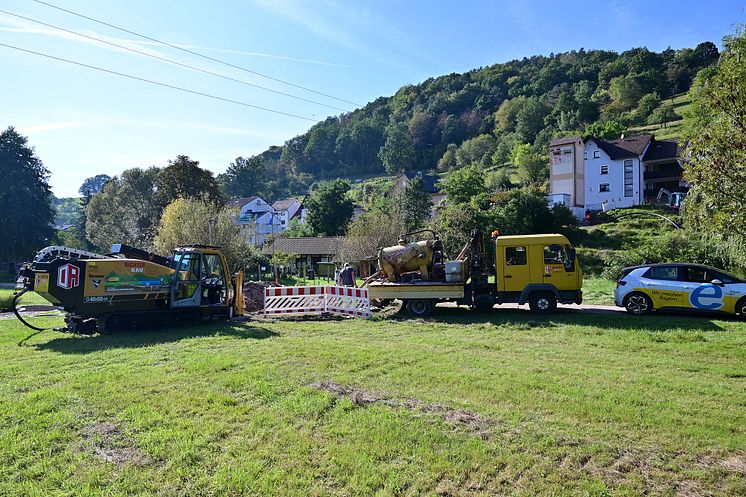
x=585, y=308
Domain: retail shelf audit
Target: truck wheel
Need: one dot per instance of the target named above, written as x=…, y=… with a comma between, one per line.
x=484, y=302
x=419, y=308
x=741, y=308
x=638, y=303
x=542, y=302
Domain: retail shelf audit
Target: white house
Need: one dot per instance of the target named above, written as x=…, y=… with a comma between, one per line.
x=266, y=219
x=250, y=208
x=288, y=210
x=596, y=174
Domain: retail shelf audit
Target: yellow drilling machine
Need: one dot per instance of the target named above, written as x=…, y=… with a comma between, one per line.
x=131, y=288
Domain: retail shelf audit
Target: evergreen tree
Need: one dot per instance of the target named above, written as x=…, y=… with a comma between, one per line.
x=415, y=204
x=329, y=208
x=26, y=214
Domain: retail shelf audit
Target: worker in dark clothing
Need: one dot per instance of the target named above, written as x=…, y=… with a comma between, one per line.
x=346, y=276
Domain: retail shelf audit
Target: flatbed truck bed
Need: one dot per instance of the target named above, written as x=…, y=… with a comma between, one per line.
x=416, y=290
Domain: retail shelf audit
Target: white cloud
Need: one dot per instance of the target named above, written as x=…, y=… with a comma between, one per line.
x=210, y=128
x=348, y=26
x=40, y=128
x=16, y=25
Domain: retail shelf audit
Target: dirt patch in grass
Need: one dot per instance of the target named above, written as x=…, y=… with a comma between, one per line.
x=624, y=465
x=107, y=442
x=735, y=463
x=456, y=417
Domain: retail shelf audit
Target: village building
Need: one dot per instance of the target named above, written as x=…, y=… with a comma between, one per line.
x=267, y=220
x=595, y=174
x=309, y=251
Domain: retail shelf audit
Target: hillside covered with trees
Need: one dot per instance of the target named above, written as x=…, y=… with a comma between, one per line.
x=478, y=117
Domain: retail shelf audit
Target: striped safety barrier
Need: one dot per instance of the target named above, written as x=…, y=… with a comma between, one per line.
x=347, y=301
x=298, y=300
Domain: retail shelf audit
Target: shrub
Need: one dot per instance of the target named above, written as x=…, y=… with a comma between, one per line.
x=5, y=301
x=683, y=246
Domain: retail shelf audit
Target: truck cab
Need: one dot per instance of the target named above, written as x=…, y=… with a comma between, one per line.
x=539, y=269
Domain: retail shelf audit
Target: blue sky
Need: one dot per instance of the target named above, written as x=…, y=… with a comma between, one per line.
x=83, y=122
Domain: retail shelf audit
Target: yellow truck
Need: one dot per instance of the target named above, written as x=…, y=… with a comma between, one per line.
x=541, y=270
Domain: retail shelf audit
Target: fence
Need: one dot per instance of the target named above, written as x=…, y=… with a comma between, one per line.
x=300, y=300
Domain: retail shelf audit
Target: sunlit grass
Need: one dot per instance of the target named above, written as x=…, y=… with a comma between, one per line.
x=572, y=404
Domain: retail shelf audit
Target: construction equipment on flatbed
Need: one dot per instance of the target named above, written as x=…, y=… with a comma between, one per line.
x=540, y=270
x=132, y=288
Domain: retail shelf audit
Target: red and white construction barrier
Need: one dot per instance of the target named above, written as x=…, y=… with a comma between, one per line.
x=298, y=300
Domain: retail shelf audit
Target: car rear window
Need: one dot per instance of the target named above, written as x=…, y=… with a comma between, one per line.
x=669, y=273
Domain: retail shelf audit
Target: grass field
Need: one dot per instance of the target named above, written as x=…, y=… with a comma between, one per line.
x=463, y=404
x=673, y=129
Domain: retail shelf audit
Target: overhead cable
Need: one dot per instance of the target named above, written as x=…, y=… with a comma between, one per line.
x=177, y=47
x=170, y=61
x=158, y=83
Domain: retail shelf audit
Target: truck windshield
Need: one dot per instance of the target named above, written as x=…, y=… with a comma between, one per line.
x=558, y=254
x=568, y=258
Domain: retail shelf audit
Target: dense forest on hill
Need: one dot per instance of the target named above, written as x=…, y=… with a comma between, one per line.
x=478, y=117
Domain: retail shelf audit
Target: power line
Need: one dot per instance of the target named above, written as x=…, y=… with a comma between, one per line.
x=158, y=83
x=176, y=47
x=170, y=61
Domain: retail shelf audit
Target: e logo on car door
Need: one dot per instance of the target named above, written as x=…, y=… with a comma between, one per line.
x=707, y=297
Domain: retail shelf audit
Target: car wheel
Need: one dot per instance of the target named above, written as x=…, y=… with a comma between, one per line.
x=419, y=308
x=741, y=308
x=542, y=302
x=638, y=304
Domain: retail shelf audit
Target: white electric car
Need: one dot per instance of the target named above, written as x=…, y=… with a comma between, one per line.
x=676, y=286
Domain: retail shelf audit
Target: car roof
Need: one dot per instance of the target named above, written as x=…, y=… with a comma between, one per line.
x=677, y=264
x=628, y=270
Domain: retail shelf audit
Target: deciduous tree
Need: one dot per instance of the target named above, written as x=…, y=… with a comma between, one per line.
x=183, y=178
x=94, y=184
x=244, y=177
x=717, y=164
x=464, y=184
x=397, y=153
x=125, y=211
x=198, y=221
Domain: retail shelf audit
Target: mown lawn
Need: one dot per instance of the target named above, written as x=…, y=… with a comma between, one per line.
x=464, y=404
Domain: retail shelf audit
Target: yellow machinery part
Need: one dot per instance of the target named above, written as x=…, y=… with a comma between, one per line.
x=238, y=301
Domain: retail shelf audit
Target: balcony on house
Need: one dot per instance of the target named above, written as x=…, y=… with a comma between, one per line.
x=662, y=171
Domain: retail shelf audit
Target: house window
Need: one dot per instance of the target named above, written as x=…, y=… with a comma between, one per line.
x=628, y=177
x=596, y=154
x=604, y=187
x=604, y=169
x=585, y=155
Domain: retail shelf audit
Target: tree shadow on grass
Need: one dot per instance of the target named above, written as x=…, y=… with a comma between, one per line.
x=81, y=344
x=610, y=320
